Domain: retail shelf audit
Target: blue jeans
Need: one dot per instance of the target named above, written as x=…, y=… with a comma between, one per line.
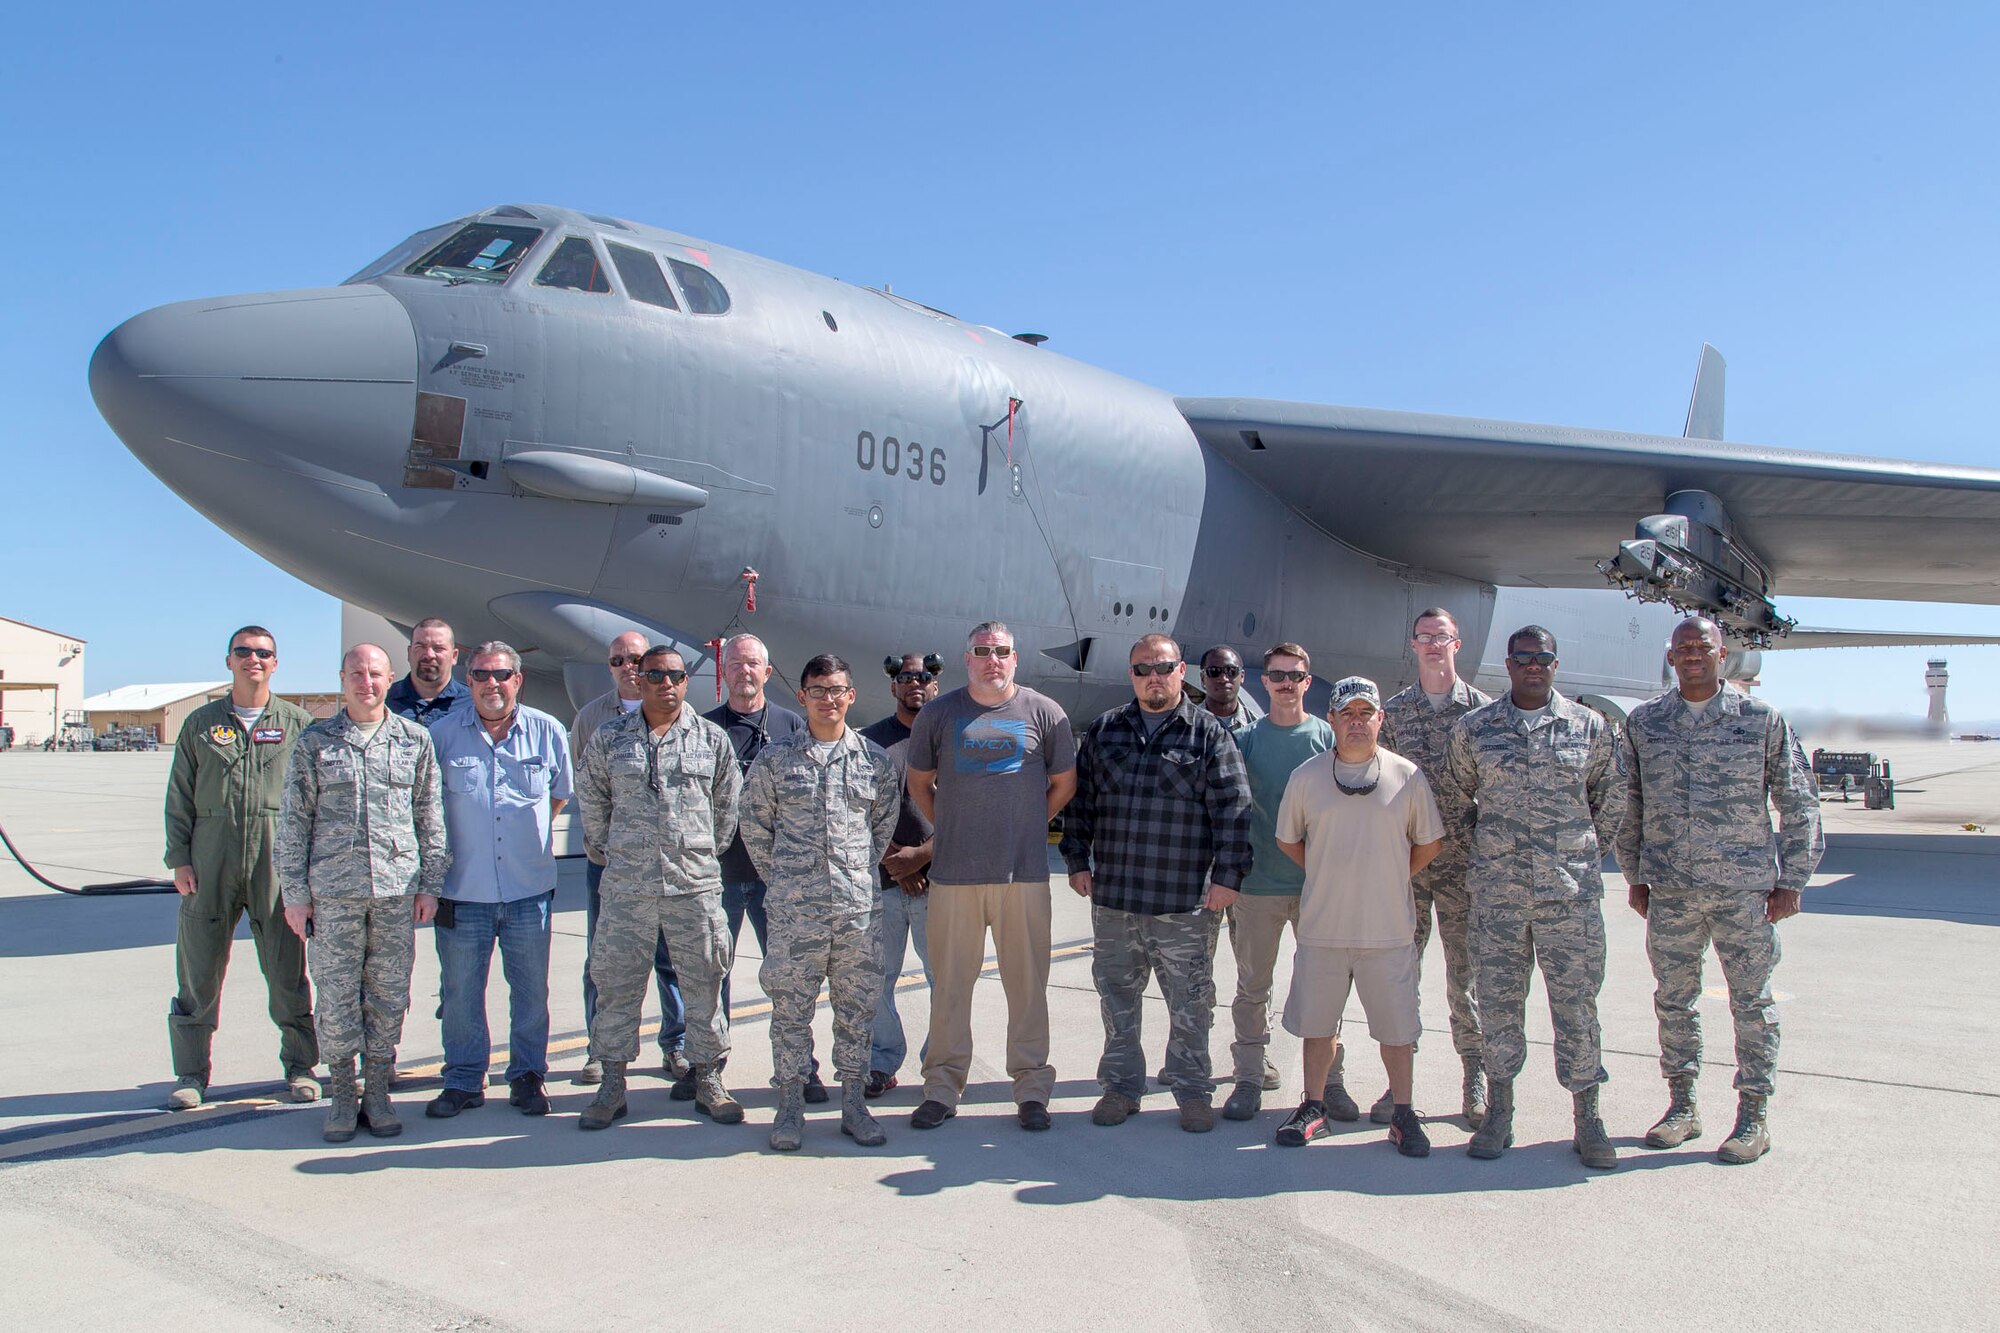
x=465, y=957
x=899, y=921
x=673, y=1014
x=740, y=899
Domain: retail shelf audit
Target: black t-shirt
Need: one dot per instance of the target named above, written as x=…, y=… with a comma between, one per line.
x=911, y=826
x=749, y=733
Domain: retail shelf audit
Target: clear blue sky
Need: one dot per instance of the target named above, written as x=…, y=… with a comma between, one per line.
x=1512, y=211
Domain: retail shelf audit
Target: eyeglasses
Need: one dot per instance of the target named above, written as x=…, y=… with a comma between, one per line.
x=663, y=675
x=1143, y=669
x=914, y=678
x=1289, y=677
x=992, y=650
x=1346, y=790
x=1222, y=672
x=625, y=659
x=821, y=693
x=500, y=674
x=1541, y=659
x=245, y=654
x=1428, y=639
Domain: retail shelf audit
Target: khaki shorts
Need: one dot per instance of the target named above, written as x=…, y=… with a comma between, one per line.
x=1385, y=979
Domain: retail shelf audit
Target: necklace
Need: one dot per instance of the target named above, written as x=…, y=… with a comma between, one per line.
x=1359, y=791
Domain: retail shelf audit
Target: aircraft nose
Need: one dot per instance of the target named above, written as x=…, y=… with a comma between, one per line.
x=228, y=398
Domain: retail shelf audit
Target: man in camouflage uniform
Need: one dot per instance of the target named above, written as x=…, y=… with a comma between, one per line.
x=222, y=803
x=659, y=788
x=1703, y=766
x=1417, y=724
x=819, y=808
x=361, y=859
x=1540, y=774
x=1158, y=838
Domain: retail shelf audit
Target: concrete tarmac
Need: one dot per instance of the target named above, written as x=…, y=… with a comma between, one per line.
x=1877, y=1207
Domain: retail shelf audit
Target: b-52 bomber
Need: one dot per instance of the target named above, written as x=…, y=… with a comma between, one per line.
x=552, y=427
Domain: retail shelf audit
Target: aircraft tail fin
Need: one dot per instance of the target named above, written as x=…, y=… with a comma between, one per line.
x=1704, y=420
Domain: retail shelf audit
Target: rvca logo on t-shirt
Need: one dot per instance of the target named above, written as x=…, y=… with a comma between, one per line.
x=992, y=745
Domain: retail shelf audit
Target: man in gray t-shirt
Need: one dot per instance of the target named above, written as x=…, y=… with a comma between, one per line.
x=990, y=765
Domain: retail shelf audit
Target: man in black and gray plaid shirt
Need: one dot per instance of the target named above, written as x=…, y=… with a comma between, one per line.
x=1158, y=838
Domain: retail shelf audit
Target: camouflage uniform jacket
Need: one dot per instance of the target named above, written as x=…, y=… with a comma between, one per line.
x=361, y=820
x=1548, y=799
x=660, y=807
x=1699, y=791
x=1421, y=734
x=816, y=830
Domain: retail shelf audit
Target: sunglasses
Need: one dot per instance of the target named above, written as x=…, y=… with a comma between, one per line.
x=485, y=674
x=1428, y=639
x=914, y=678
x=1143, y=669
x=663, y=676
x=261, y=654
x=1289, y=677
x=992, y=650
x=625, y=659
x=1222, y=672
x=820, y=693
x=1542, y=659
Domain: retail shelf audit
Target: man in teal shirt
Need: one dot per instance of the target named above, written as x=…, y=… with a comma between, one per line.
x=1278, y=743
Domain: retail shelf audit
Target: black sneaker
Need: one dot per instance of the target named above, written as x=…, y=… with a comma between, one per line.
x=1034, y=1116
x=1307, y=1123
x=528, y=1095
x=451, y=1101
x=1407, y=1133
x=683, y=1089
x=815, y=1089
x=878, y=1084
x=931, y=1114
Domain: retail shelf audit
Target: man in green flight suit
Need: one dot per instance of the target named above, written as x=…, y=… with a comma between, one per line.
x=223, y=794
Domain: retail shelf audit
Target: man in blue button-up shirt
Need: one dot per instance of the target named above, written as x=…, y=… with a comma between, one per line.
x=506, y=771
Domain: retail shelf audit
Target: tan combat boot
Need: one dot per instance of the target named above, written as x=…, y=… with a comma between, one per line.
x=375, y=1109
x=855, y=1120
x=343, y=1101
x=1682, y=1120
x=713, y=1100
x=1751, y=1138
x=1339, y=1105
x=789, y=1129
x=608, y=1107
x=1591, y=1143
x=1496, y=1132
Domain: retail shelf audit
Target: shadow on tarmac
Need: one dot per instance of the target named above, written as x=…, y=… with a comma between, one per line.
x=1963, y=886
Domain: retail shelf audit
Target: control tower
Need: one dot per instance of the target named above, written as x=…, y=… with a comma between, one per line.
x=1935, y=680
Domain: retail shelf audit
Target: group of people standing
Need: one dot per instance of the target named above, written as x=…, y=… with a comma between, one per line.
x=427, y=800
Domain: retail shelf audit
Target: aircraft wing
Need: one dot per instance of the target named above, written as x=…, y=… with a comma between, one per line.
x=1524, y=505
x=1812, y=637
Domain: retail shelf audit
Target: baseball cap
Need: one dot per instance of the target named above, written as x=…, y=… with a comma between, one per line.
x=1349, y=688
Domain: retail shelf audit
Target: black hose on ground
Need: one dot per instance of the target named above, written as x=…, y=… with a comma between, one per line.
x=119, y=889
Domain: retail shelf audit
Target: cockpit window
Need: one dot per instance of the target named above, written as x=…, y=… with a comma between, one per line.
x=642, y=276
x=574, y=265
x=705, y=296
x=405, y=252
x=482, y=252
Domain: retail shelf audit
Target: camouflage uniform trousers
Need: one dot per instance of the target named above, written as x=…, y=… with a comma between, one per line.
x=804, y=948
x=621, y=962
x=361, y=953
x=1446, y=895
x=1180, y=948
x=1680, y=923
x=1566, y=936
